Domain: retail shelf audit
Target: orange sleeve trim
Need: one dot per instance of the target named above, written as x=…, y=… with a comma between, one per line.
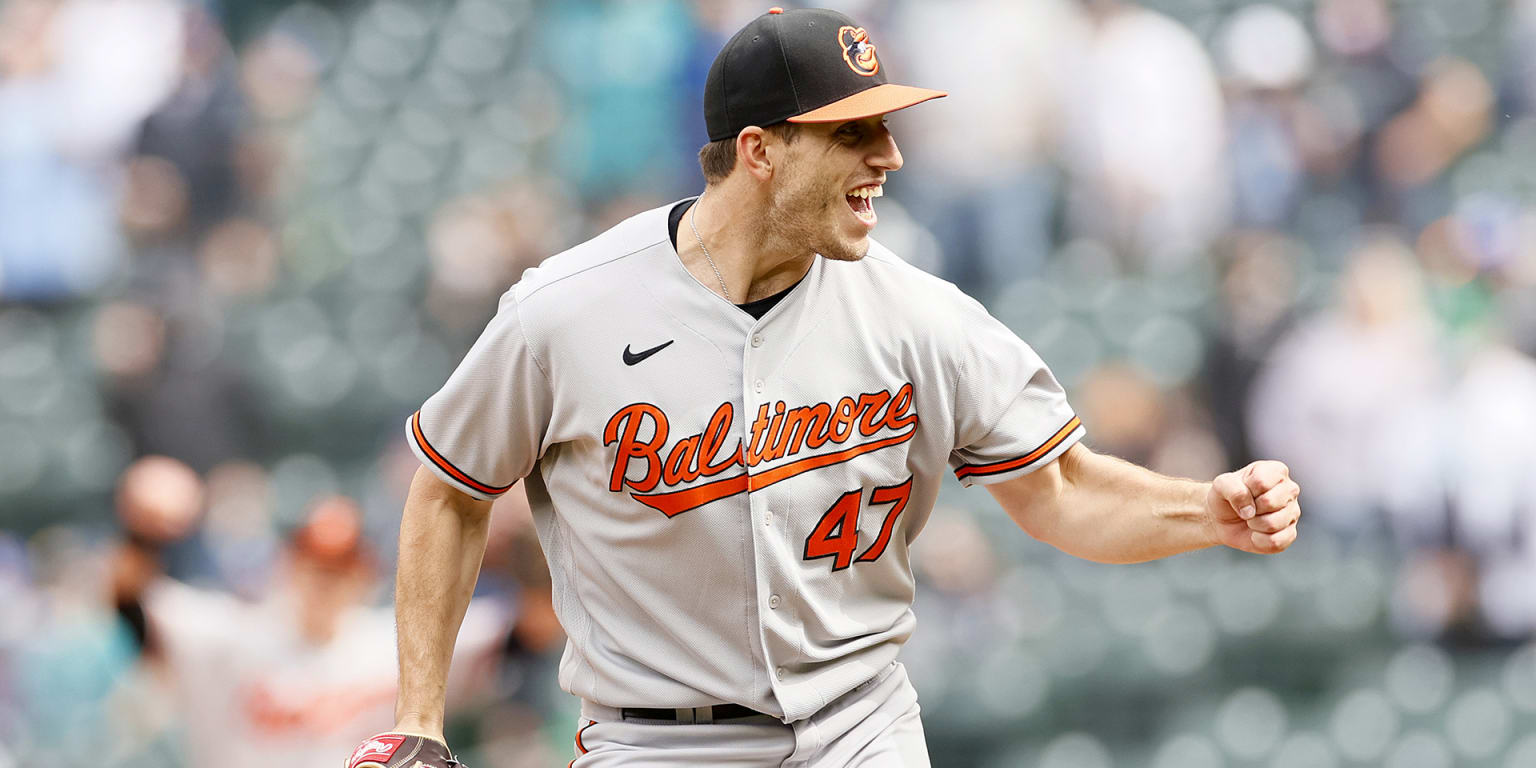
x=446, y=465
x=1008, y=465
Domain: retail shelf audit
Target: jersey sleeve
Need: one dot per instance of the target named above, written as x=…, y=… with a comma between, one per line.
x=1011, y=415
x=483, y=431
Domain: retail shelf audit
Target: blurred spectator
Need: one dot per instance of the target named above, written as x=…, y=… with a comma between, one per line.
x=1333, y=389
x=990, y=191
x=197, y=126
x=1451, y=114
x=70, y=681
x=181, y=194
x=1490, y=439
x=619, y=64
x=298, y=676
x=1258, y=297
x=1267, y=57
x=1144, y=135
x=481, y=243
x=1127, y=410
x=76, y=77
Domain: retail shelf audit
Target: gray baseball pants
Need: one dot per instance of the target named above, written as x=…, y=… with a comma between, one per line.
x=876, y=725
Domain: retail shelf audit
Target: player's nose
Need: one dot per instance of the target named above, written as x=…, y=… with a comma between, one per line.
x=886, y=156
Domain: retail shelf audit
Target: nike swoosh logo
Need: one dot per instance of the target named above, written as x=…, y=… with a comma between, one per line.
x=630, y=358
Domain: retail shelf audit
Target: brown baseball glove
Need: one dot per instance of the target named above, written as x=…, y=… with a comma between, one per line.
x=402, y=750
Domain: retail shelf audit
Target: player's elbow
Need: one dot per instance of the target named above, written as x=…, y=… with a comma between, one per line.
x=429, y=493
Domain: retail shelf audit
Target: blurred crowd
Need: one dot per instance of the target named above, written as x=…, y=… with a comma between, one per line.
x=241, y=241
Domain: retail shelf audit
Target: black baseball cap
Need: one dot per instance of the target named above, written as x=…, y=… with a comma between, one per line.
x=800, y=66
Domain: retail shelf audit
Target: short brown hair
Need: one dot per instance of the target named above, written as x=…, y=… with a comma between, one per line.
x=718, y=158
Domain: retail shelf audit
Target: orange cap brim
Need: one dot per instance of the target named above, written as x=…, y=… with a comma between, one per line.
x=869, y=102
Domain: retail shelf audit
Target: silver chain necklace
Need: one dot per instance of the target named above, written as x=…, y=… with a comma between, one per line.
x=692, y=210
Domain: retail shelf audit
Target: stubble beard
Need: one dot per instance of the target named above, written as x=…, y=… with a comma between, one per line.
x=801, y=216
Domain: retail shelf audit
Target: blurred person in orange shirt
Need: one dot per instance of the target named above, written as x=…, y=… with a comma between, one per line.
x=296, y=677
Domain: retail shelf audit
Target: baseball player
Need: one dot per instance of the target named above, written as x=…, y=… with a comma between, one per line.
x=733, y=414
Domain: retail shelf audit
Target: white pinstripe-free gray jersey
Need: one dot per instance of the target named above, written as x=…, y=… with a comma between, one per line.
x=726, y=503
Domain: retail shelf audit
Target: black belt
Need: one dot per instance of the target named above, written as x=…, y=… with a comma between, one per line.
x=692, y=714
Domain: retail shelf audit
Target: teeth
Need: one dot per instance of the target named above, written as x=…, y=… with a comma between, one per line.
x=868, y=192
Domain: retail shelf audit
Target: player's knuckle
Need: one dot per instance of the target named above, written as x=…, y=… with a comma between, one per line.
x=1269, y=542
x=1270, y=474
x=1268, y=524
x=1232, y=487
x=1256, y=481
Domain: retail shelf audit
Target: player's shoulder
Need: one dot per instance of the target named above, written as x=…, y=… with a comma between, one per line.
x=898, y=284
x=584, y=271
x=885, y=268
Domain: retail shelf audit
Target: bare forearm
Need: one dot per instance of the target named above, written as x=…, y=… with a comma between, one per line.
x=442, y=541
x=1112, y=511
x=1122, y=513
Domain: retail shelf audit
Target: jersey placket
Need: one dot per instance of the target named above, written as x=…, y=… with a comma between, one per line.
x=768, y=342
x=773, y=598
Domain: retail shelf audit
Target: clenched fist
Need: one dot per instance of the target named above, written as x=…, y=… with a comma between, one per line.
x=1255, y=509
x=402, y=750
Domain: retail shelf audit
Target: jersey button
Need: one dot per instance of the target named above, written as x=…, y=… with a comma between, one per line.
x=773, y=601
x=757, y=386
x=767, y=517
x=779, y=672
x=757, y=340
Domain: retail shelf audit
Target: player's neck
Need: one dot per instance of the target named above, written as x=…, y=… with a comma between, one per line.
x=752, y=265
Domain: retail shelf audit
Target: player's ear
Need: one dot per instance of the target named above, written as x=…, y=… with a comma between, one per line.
x=752, y=152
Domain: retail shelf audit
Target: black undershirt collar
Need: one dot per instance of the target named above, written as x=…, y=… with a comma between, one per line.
x=754, y=308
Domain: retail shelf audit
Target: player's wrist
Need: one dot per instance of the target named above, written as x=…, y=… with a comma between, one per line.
x=420, y=725
x=1206, y=500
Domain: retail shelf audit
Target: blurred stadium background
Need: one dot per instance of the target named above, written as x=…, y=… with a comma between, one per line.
x=254, y=236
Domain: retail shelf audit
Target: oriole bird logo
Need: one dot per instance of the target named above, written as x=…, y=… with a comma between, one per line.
x=858, y=51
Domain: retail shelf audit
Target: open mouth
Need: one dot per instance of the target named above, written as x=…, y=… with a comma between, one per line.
x=862, y=202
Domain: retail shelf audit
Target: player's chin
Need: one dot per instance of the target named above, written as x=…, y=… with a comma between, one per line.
x=847, y=249
x=848, y=243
